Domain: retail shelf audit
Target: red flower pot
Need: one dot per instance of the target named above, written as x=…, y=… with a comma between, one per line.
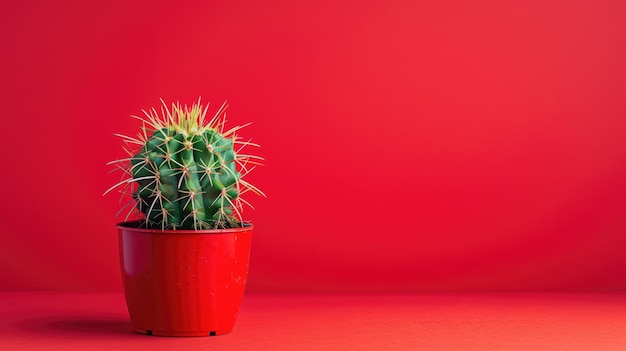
x=183, y=282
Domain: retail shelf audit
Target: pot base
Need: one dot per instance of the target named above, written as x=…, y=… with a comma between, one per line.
x=174, y=333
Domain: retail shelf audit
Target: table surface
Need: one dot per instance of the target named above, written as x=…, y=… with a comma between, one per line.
x=485, y=321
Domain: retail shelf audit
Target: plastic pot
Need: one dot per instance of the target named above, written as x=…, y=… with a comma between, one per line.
x=183, y=282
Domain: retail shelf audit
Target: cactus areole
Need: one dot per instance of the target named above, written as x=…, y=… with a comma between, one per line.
x=185, y=171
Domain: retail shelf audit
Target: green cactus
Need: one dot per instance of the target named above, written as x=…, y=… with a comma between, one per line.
x=183, y=173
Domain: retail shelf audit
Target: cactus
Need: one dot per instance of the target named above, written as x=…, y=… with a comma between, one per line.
x=184, y=172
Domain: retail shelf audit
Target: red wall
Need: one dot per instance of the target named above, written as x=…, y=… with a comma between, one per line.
x=410, y=145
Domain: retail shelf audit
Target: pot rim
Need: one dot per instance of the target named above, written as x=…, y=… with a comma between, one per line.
x=130, y=226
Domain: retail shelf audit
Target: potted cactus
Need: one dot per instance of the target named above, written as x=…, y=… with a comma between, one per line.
x=184, y=246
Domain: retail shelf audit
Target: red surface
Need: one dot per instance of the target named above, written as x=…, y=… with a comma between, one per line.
x=184, y=282
x=410, y=145
x=586, y=322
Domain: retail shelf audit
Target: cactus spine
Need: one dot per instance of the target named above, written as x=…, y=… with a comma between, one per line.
x=183, y=172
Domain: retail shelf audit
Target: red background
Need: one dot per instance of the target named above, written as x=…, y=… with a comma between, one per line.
x=410, y=145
